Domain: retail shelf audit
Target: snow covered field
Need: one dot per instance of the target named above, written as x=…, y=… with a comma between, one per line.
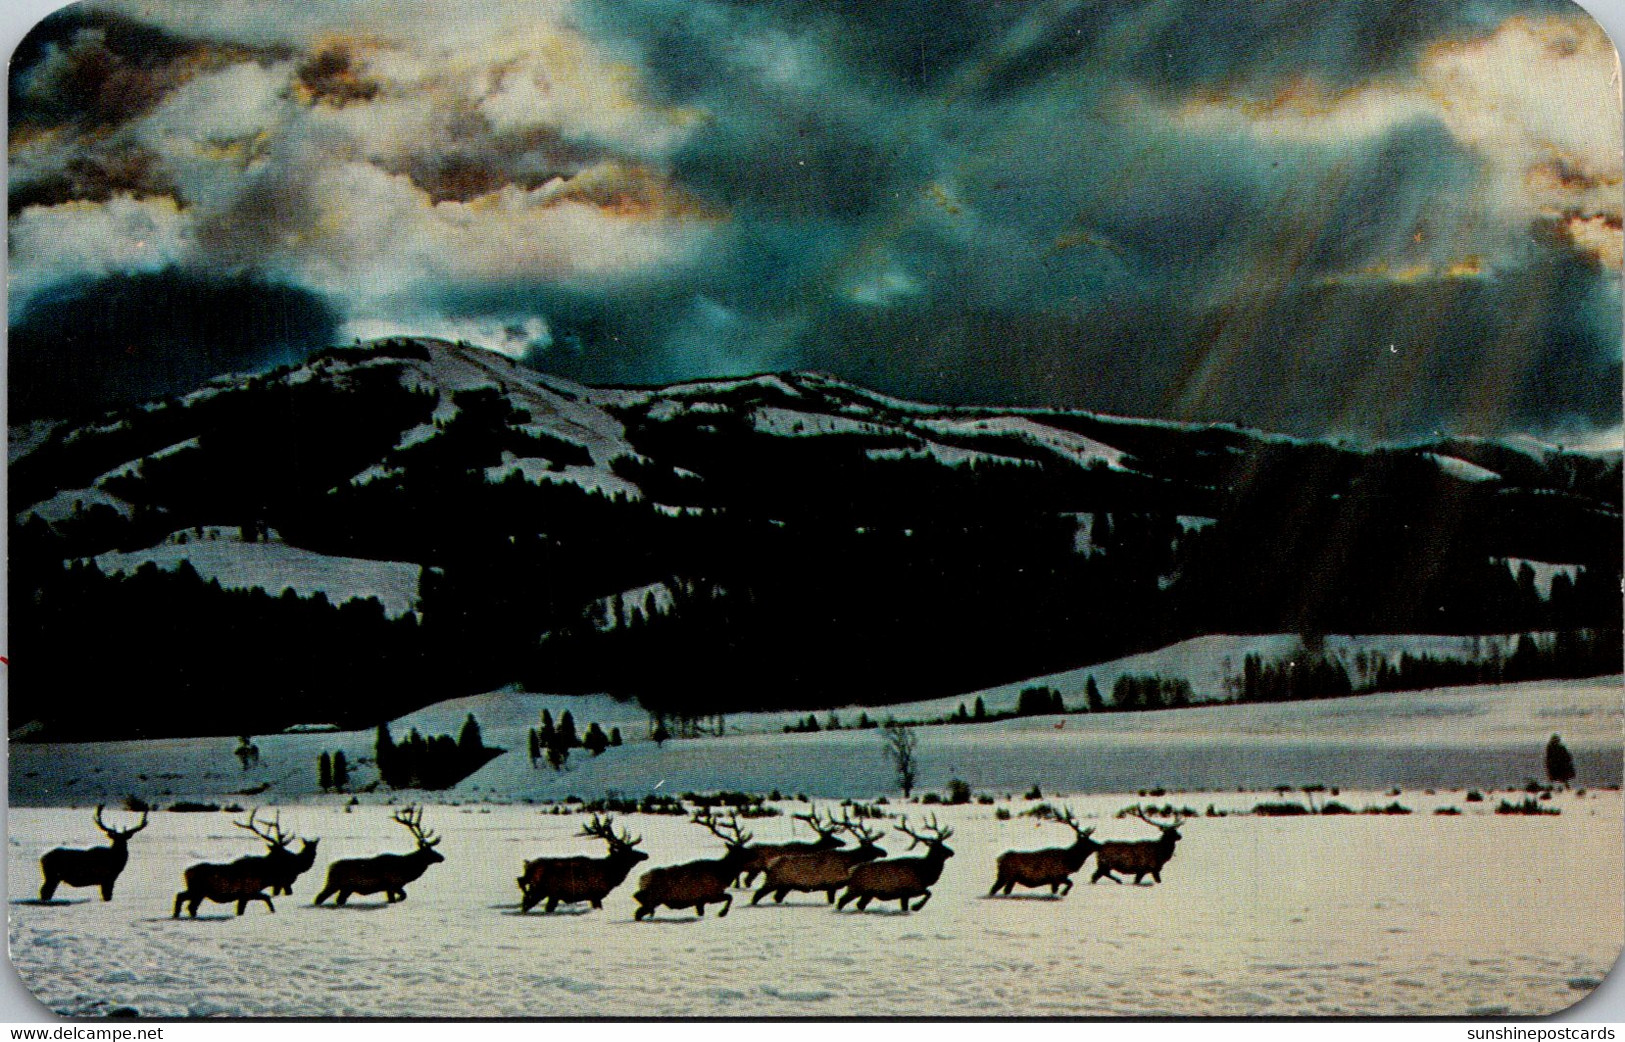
x=1417, y=915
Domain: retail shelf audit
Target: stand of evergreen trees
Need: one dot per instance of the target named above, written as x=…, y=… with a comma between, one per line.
x=437, y=762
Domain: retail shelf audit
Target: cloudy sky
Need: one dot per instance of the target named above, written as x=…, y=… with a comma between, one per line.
x=1369, y=219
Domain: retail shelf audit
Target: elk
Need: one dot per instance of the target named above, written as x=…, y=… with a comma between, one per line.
x=899, y=879
x=1052, y=867
x=1141, y=859
x=247, y=878
x=386, y=873
x=573, y=879
x=696, y=884
x=763, y=853
x=93, y=866
x=821, y=870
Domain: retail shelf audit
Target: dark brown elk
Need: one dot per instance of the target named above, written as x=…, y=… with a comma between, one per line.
x=762, y=853
x=696, y=884
x=244, y=880
x=567, y=880
x=823, y=871
x=1052, y=867
x=387, y=874
x=901, y=879
x=1141, y=859
x=92, y=866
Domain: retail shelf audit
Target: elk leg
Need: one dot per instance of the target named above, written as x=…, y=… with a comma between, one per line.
x=643, y=910
x=324, y=895
x=922, y=901
x=344, y=895
x=1054, y=888
x=180, y=899
x=996, y=884
x=552, y=903
x=699, y=910
x=756, y=898
x=107, y=890
x=902, y=905
x=846, y=897
x=596, y=903
x=1067, y=888
x=1156, y=875
x=863, y=902
x=727, y=903
x=48, y=889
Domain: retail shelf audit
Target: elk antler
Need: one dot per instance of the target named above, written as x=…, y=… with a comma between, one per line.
x=604, y=829
x=863, y=833
x=730, y=831
x=818, y=825
x=1139, y=812
x=112, y=833
x=936, y=833
x=412, y=818
x=1070, y=820
x=273, y=835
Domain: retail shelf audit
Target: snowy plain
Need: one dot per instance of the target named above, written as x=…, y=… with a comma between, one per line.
x=1421, y=915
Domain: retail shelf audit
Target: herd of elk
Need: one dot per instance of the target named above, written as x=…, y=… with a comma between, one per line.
x=905, y=878
x=823, y=870
x=94, y=866
x=1141, y=859
x=248, y=878
x=861, y=873
x=385, y=873
x=568, y=880
x=1052, y=867
x=696, y=884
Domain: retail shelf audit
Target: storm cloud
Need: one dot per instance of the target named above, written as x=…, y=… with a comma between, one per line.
x=1366, y=220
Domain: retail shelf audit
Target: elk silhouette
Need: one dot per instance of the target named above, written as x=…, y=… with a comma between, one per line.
x=696, y=884
x=385, y=873
x=763, y=853
x=93, y=866
x=246, y=879
x=1052, y=867
x=900, y=879
x=1141, y=859
x=819, y=870
x=569, y=880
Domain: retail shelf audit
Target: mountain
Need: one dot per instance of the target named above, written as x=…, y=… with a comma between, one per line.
x=397, y=522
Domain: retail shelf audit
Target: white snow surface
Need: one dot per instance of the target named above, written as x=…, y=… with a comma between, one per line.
x=1462, y=468
x=274, y=566
x=1076, y=447
x=1353, y=916
x=1544, y=571
x=61, y=506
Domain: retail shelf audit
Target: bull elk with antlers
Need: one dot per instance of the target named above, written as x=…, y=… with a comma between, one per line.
x=92, y=866
x=763, y=853
x=901, y=879
x=1052, y=867
x=696, y=884
x=386, y=873
x=821, y=870
x=568, y=880
x=248, y=878
x=1141, y=859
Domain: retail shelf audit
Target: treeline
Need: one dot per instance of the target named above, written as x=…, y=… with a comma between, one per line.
x=1313, y=675
x=437, y=762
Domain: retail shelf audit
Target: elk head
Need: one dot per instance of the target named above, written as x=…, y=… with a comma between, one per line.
x=1170, y=831
x=868, y=838
x=826, y=829
x=118, y=837
x=1070, y=820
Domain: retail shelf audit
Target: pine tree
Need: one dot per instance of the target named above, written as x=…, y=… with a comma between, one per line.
x=535, y=746
x=341, y=771
x=595, y=741
x=1091, y=694
x=660, y=735
x=566, y=737
x=981, y=709
x=324, y=772
x=614, y=736
x=470, y=741
x=546, y=733
x=385, y=756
